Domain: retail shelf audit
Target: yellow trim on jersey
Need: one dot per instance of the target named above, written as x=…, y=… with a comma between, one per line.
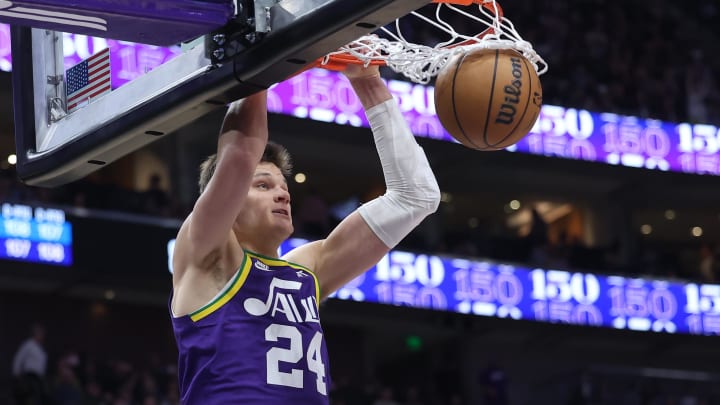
x=272, y=261
x=239, y=280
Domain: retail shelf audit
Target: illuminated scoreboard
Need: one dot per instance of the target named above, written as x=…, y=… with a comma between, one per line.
x=504, y=291
x=35, y=234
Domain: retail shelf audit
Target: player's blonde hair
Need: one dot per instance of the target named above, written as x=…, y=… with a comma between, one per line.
x=274, y=153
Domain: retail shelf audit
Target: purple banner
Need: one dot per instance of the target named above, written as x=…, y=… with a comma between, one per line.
x=499, y=290
x=159, y=22
x=562, y=132
x=5, y=59
x=127, y=60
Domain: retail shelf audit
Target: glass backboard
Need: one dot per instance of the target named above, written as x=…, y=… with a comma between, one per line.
x=258, y=44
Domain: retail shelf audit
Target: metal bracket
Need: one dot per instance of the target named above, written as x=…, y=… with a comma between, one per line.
x=56, y=105
x=55, y=80
x=56, y=109
x=238, y=7
x=237, y=36
x=263, y=15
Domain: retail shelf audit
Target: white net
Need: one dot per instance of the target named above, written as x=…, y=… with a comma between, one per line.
x=420, y=63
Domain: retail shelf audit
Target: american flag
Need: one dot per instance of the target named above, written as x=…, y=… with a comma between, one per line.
x=88, y=79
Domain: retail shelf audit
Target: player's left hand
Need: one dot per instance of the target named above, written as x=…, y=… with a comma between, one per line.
x=355, y=71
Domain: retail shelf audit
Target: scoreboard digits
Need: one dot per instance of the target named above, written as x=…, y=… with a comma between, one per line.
x=35, y=234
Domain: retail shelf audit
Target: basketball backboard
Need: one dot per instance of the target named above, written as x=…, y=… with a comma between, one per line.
x=255, y=45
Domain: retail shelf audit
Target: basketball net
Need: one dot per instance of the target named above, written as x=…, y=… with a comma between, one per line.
x=420, y=63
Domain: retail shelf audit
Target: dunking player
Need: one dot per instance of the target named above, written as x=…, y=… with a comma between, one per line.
x=246, y=322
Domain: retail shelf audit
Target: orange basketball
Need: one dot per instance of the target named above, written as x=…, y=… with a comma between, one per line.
x=488, y=99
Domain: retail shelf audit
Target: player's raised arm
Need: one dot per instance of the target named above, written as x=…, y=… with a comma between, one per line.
x=242, y=141
x=367, y=234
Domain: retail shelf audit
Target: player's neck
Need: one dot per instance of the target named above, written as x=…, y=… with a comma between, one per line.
x=267, y=245
x=265, y=248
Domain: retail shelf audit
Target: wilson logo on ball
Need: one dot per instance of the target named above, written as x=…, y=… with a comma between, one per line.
x=506, y=115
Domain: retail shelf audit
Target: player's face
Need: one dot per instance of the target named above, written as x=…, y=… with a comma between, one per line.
x=267, y=208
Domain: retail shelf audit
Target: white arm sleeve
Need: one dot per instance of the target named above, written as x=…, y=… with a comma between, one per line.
x=412, y=191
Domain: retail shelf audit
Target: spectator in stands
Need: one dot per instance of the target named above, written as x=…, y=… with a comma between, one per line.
x=558, y=253
x=93, y=394
x=66, y=388
x=347, y=393
x=698, y=85
x=386, y=397
x=708, y=264
x=156, y=200
x=538, y=239
x=29, y=368
x=412, y=396
x=172, y=393
x=494, y=385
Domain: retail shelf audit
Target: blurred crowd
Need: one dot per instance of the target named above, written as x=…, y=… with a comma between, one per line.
x=636, y=57
x=76, y=378
x=653, y=59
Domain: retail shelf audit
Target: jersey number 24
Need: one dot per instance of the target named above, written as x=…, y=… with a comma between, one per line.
x=294, y=355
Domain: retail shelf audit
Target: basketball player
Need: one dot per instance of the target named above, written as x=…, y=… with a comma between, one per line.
x=245, y=321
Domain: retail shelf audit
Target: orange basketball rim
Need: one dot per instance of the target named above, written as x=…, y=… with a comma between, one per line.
x=338, y=61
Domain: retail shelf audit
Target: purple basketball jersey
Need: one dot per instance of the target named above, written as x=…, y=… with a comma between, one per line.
x=258, y=342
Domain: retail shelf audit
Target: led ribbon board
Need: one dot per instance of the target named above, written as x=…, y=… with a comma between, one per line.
x=504, y=291
x=559, y=132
